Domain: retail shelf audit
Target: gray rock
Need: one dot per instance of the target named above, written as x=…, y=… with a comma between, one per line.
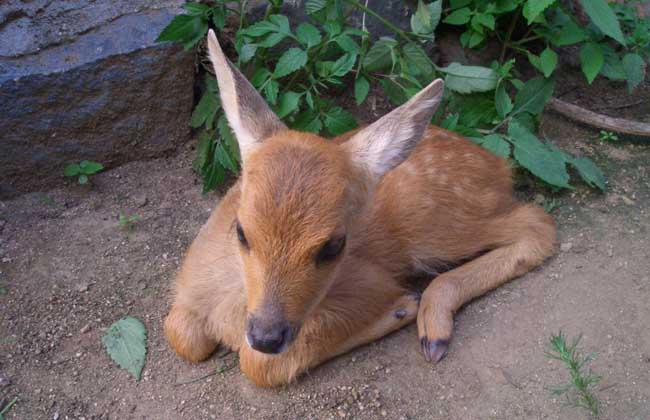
x=83, y=79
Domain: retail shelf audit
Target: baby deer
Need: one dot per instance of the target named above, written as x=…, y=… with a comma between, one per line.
x=306, y=256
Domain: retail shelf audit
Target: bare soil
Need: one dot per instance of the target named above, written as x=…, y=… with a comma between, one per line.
x=68, y=270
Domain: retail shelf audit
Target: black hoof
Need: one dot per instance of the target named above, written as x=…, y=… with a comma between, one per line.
x=434, y=351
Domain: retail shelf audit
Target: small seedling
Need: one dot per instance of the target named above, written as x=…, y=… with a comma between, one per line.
x=607, y=136
x=128, y=222
x=82, y=170
x=579, y=391
x=7, y=407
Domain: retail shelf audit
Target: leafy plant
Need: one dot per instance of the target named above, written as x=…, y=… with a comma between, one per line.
x=297, y=68
x=607, y=136
x=126, y=343
x=127, y=223
x=579, y=391
x=7, y=407
x=551, y=204
x=82, y=170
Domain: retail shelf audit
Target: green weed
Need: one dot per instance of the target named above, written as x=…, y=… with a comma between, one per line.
x=127, y=223
x=82, y=170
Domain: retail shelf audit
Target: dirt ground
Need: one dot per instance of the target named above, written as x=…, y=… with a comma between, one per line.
x=68, y=270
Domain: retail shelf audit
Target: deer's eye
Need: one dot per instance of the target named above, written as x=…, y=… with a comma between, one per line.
x=241, y=236
x=331, y=250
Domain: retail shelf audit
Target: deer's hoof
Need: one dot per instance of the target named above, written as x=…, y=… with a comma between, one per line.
x=434, y=351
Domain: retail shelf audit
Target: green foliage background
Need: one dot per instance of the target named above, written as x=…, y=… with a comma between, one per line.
x=297, y=69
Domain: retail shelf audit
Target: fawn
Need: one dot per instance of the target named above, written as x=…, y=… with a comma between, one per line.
x=306, y=256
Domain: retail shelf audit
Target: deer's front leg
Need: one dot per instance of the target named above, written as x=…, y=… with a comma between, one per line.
x=325, y=336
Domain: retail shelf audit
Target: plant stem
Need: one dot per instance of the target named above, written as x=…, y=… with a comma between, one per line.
x=386, y=23
x=513, y=24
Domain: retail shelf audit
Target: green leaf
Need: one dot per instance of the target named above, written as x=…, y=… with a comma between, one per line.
x=496, y=144
x=589, y=172
x=273, y=39
x=281, y=22
x=259, y=29
x=604, y=18
x=308, y=121
x=83, y=179
x=416, y=56
x=502, y=101
x=534, y=8
x=72, y=169
x=339, y=121
x=219, y=17
x=222, y=156
x=459, y=17
x=89, y=168
x=185, y=29
x=271, y=91
x=486, y=19
x=228, y=138
x=247, y=52
x=634, y=68
x=347, y=44
x=548, y=61
x=202, y=151
x=613, y=67
x=313, y=6
x=261, y=75
x=380, y=55
x=196, y=9
x=309, y=99
x=206, y=108
x=361, y=89
x=570, y=34
x=308, y=34
x=288, y=103
x=591, y=60
x=427, y=17
x=214, y=175
x=292, y=60
x=468, y=79
x=534, y=95
x=126, y=343
x=535, y=156
x=343, y=65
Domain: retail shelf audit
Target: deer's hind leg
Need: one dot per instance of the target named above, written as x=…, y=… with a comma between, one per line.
x=521, y=240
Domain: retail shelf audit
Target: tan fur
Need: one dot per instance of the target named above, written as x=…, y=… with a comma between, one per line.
x=449, y=201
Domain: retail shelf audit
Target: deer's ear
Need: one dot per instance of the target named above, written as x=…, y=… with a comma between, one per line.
x=249, y=116
x=388, y=141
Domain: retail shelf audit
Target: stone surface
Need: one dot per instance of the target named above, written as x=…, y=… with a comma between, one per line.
x=83, y=79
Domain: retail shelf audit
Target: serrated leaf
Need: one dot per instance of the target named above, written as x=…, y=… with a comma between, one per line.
x=361, y=89
x=533, y=155
x=228, y=137
x=604, y=18
x=427, y=17
x=591, y=60
x=272, y=40
x=548, y=61
x=247, y=52
x=634, y=68
x=308, y=34
x=202, y=151
x=196, y=9
x=126, y=343
x=313, y=6
x=502, y=101
x=185, y=29
x=288, y=103
x=343, y=65
x=613, y=67
x=261, y=75
x=281, y=22
x=72, y=169
x=459, y=17
x=570, y=34
x=534, y=8
x=380, y=54
x=339, y=121
x=271, y=91
x=533, y=95
x=292, y=60
x=207, y=106
x=589, y=172
x=219, y=17
x=308, y=121
x=486, y=19
x=223, y=157
x=416, y=56
x=468, y=79
x=347, y=44
x=496, y=144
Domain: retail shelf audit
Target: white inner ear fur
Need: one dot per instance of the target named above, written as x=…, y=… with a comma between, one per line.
x=388, y=141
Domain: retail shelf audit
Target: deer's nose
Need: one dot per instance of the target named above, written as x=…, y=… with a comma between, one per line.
x=268, y=336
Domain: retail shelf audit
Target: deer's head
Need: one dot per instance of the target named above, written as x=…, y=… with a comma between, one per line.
x=300, y=194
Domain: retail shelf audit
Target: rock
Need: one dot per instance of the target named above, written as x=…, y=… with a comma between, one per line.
x=85, y=329
x=81, y=287
x=4, y=382
x=566, y=246
x=83, y=79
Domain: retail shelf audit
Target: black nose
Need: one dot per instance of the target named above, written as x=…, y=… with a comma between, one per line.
x=268, y=337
